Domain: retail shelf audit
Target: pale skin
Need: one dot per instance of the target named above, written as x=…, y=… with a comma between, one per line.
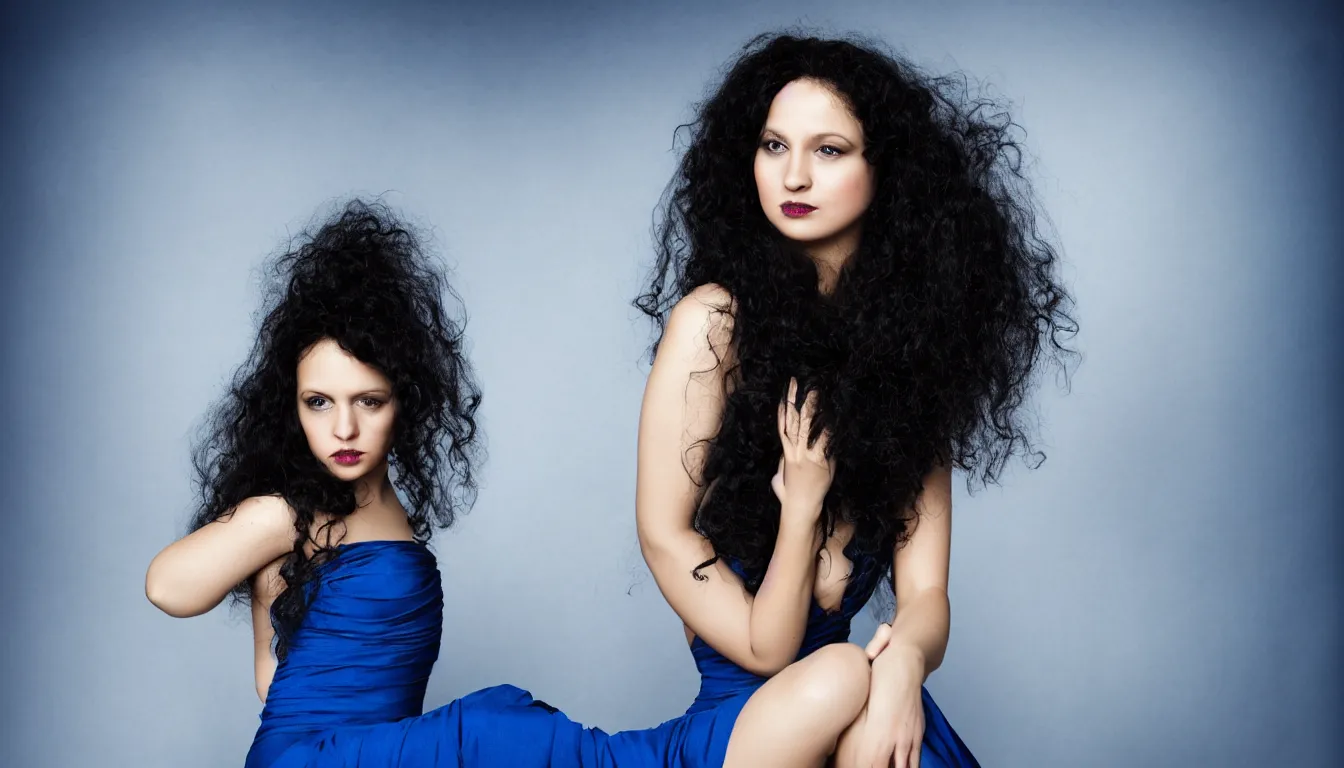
x=843, y=705
x=811, y=152
x=342, y=405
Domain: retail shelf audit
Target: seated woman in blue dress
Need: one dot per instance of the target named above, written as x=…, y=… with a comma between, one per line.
x=358, y=366
x=843, y=226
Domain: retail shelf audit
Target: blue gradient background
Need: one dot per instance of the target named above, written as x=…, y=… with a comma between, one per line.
x=1164, y=591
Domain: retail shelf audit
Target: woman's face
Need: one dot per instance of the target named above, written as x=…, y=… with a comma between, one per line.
x=813, y=180
x=346, y=410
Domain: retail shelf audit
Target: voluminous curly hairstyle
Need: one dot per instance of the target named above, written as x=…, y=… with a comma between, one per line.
x=923, y=353
x=363, y=280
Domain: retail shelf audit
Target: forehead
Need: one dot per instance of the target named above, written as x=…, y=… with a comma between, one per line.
x=810, y=107
x=326, y=366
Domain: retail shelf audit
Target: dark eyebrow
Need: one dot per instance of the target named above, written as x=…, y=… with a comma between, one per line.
x=377, y=392
x=841, y=137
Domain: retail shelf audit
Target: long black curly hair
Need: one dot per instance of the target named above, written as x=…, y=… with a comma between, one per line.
x=363, y=280
x=923, y=353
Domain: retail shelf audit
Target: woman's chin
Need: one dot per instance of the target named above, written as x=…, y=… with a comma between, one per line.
x=348, y=473
x=804, y=233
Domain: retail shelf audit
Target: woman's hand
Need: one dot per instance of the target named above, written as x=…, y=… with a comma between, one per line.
x=893, y=731
x=805, y=471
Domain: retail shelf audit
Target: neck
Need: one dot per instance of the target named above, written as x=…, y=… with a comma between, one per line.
x=827, y=276
x=829, y=262
x=831, y=255
x=375, y=489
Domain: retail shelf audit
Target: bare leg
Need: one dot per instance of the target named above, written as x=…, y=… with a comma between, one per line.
x=794, y=720
x=849, y=740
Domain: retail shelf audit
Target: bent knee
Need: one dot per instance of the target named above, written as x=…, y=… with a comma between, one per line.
x=836, y=681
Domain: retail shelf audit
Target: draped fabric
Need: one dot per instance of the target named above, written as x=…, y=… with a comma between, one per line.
x=351, y=691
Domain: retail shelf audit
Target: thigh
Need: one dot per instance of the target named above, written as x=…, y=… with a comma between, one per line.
x=795, y=719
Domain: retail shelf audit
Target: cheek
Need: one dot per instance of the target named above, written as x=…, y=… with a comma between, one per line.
x=761, y=171
x=384, y=426
x=855, y=187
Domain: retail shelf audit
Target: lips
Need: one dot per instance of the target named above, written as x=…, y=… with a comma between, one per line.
x=796, y=210
x=347, y=457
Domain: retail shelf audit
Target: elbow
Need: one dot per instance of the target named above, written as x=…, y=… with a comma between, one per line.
x=932, y=665
x=932, y=658
x=935, y=659
x=766, y=665
x=647, y=548
x=159, y=592
x=162, y=598
x=657, y=552
x=649, y=539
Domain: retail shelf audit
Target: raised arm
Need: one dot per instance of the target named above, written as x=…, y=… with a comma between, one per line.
x=683, y=404
x=195, y=573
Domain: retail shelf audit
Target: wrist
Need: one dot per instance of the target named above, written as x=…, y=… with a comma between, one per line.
x=797, y=530
x=800, y=513
x=903, y=658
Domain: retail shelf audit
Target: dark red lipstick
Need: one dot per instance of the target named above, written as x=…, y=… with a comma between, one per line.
x=347, y=458
x=796, y=210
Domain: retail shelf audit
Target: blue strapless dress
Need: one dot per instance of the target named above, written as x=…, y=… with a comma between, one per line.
x=351, y=691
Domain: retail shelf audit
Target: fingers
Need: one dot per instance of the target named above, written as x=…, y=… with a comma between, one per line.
x=792, y=416
x=787, y=416
x=805, y=413
x=879, y=642
x=918, y=746
x=777, y=482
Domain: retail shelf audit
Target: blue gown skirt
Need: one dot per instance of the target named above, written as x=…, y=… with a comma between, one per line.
x=351, y=690
x=505, y=726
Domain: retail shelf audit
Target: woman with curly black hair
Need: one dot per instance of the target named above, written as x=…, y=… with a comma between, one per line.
x=345, y=439
x=852, y=300
x=843, y=226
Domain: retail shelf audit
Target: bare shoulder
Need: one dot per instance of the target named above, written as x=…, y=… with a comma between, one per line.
x=701, y=323
x=712, y=295
x=267, y=515
x=272, y=507
x=705, y=302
